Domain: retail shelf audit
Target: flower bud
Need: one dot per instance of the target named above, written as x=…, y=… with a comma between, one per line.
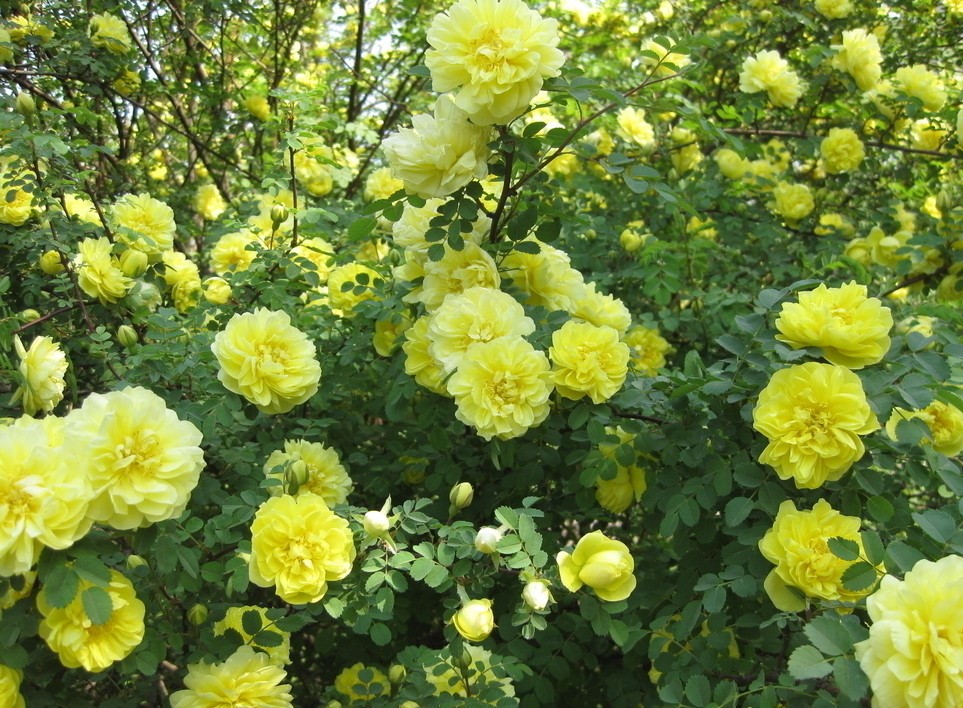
x=127, y=336
x=145, y=295
x=537, y=595
x=409, y=704
x=944, y=200
x=217, y=291
x=376, y=523
x=397, y=674
x=29, y=315
x=461, y=496
x=197, y=615
x=475, y=620
x=279, y=214
x=133, y=263
x=26, y=106
x=50, y=263
x=135, y=561
x=487, y=538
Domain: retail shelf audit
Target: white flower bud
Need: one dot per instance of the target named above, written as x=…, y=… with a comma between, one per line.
x=537, y=595
x=376, y=523
x=487, y=538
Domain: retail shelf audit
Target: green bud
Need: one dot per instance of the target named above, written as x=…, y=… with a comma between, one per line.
x=197, y=615
x=397, y=674
x=26, y=106
x=127, y=336
x=461, y=496
x=376, y=523
x=29, y=315
x=279, y=214
x=133, y=263
x=135, y=561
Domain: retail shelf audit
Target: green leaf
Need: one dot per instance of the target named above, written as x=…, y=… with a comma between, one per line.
x=92, y=569
x=737, y=509
x=362, y=227
x=859, y=576
x=828, y=635
x=902, y=556
x=60, y=586
x=97, y=605
x=850, y=678
x=880, y=508
x=936, y=524
x=380, y=634
x=807, y=663
x=698, y=690
x=714, y=599
x=268, y=638
x=844, y=548
x=872, y=547
x=251, y=622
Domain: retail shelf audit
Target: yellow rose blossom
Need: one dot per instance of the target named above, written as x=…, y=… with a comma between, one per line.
x=144, y=460
x=502, y=387
x=767, y=71
x=475, y=315
x=208, y=202
x=813, y=415
x=850, y=328
x=26, y=26
x=343, y=282
x=546, y=278
x=798, y=545
x=317, y=469
x=319, y=255
x=792, y=201
x=841, y=150
x=832, y=224
x=633, y=127
x=380, y=184
x=217, y=291
x=81, y=208
x=628, y=485
x=474, y=620
x=944, y=421
x=600, y=309
x=919, y=82
x=664, y=57
x=440, y=153
x=10, y=688
x=388, y=331
x=600, y=562
x=419, y=363
x=43, y=494
x=647, y=349
x=233, y=619
x=99, y=274
x=731, y=164
x=588, y=361
x=109, y=32
x=834, y=9
x=495, y=53
x=184, y=279
x=17, y=204
x=458, y=681
x=914, y=654
x=456, y=272
x=314, y=174
x=350, y=684
x=264, y=358
x=247, y=678
x=42, y=369
x=73, y=636
x=702, y=229
x=257, y=105
x=860, y=57
x=11, y=597
x=144, y=224
x=127, y=83
x=231, y=252
x=298, y=545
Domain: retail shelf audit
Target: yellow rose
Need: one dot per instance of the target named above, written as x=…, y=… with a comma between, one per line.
x=633, y=127
x=351, y=284
x=456, y=272
x=298, y=545
x=127, y=83
x=944, y=421
x=851, y=329
x=10, y=688
x=70, y=633
x=217, y=291
x=470, y=679
x=919, y=82
x=257, y=105
x=767, y=71
x=17, y=204
x=731, y=164
x=797, y=544
x=588, y=360
x=208, y=202
x=6, y=52
x=440, y=153
x=600, y=309
x=628, y=485
x=502, y=387
x=792, y=201
x=859, y=56
x=317, y=468
x=547, y=278
x=264, y=358
x=834, y=9
x=231, y=252
x=474, y=620
x=233, y=619
x=813, y=415
x=247, y=678
x=380, y=184
x=647, y=349
x=144, y=460
x=841, y=150
x=42, y=369
x=496, y=53
x=914, y=653
x=350, y=684
x=602, y=563
x=475, y=315
x=663, y=57
x=109, y=32
x=43, y=493
x=144, y=224
x=388, y=331
x=419, y=363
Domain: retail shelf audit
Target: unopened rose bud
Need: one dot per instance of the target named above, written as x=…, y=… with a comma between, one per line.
x=29, y=315
x=197, y=615
x=464, y=660
x=127, y=336
x=475, y=620
x=133, y=263
x=50, y=263
x=145, y=295
x=217, y=291
x=26, y=106
x=135, y=561
x=279, y=214
x=487, y=538
x=397, y=674
x=376, y=523
x=461, y=496
x=537, y=595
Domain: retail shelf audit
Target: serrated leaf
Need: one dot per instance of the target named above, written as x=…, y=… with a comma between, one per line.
x=807, y=662
x=60, y=586
x=268, y=638
x=936, y=524
x=737, y=509
x=421, y=567
x=880, y=508
x=872, y=547
x=903, y=556
x=252, y=622
x=859, y=576
x=698, y=690
x=844, y=548
x=92, y=569
x=828, y=635
x=97, y=605
x=850, y=678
